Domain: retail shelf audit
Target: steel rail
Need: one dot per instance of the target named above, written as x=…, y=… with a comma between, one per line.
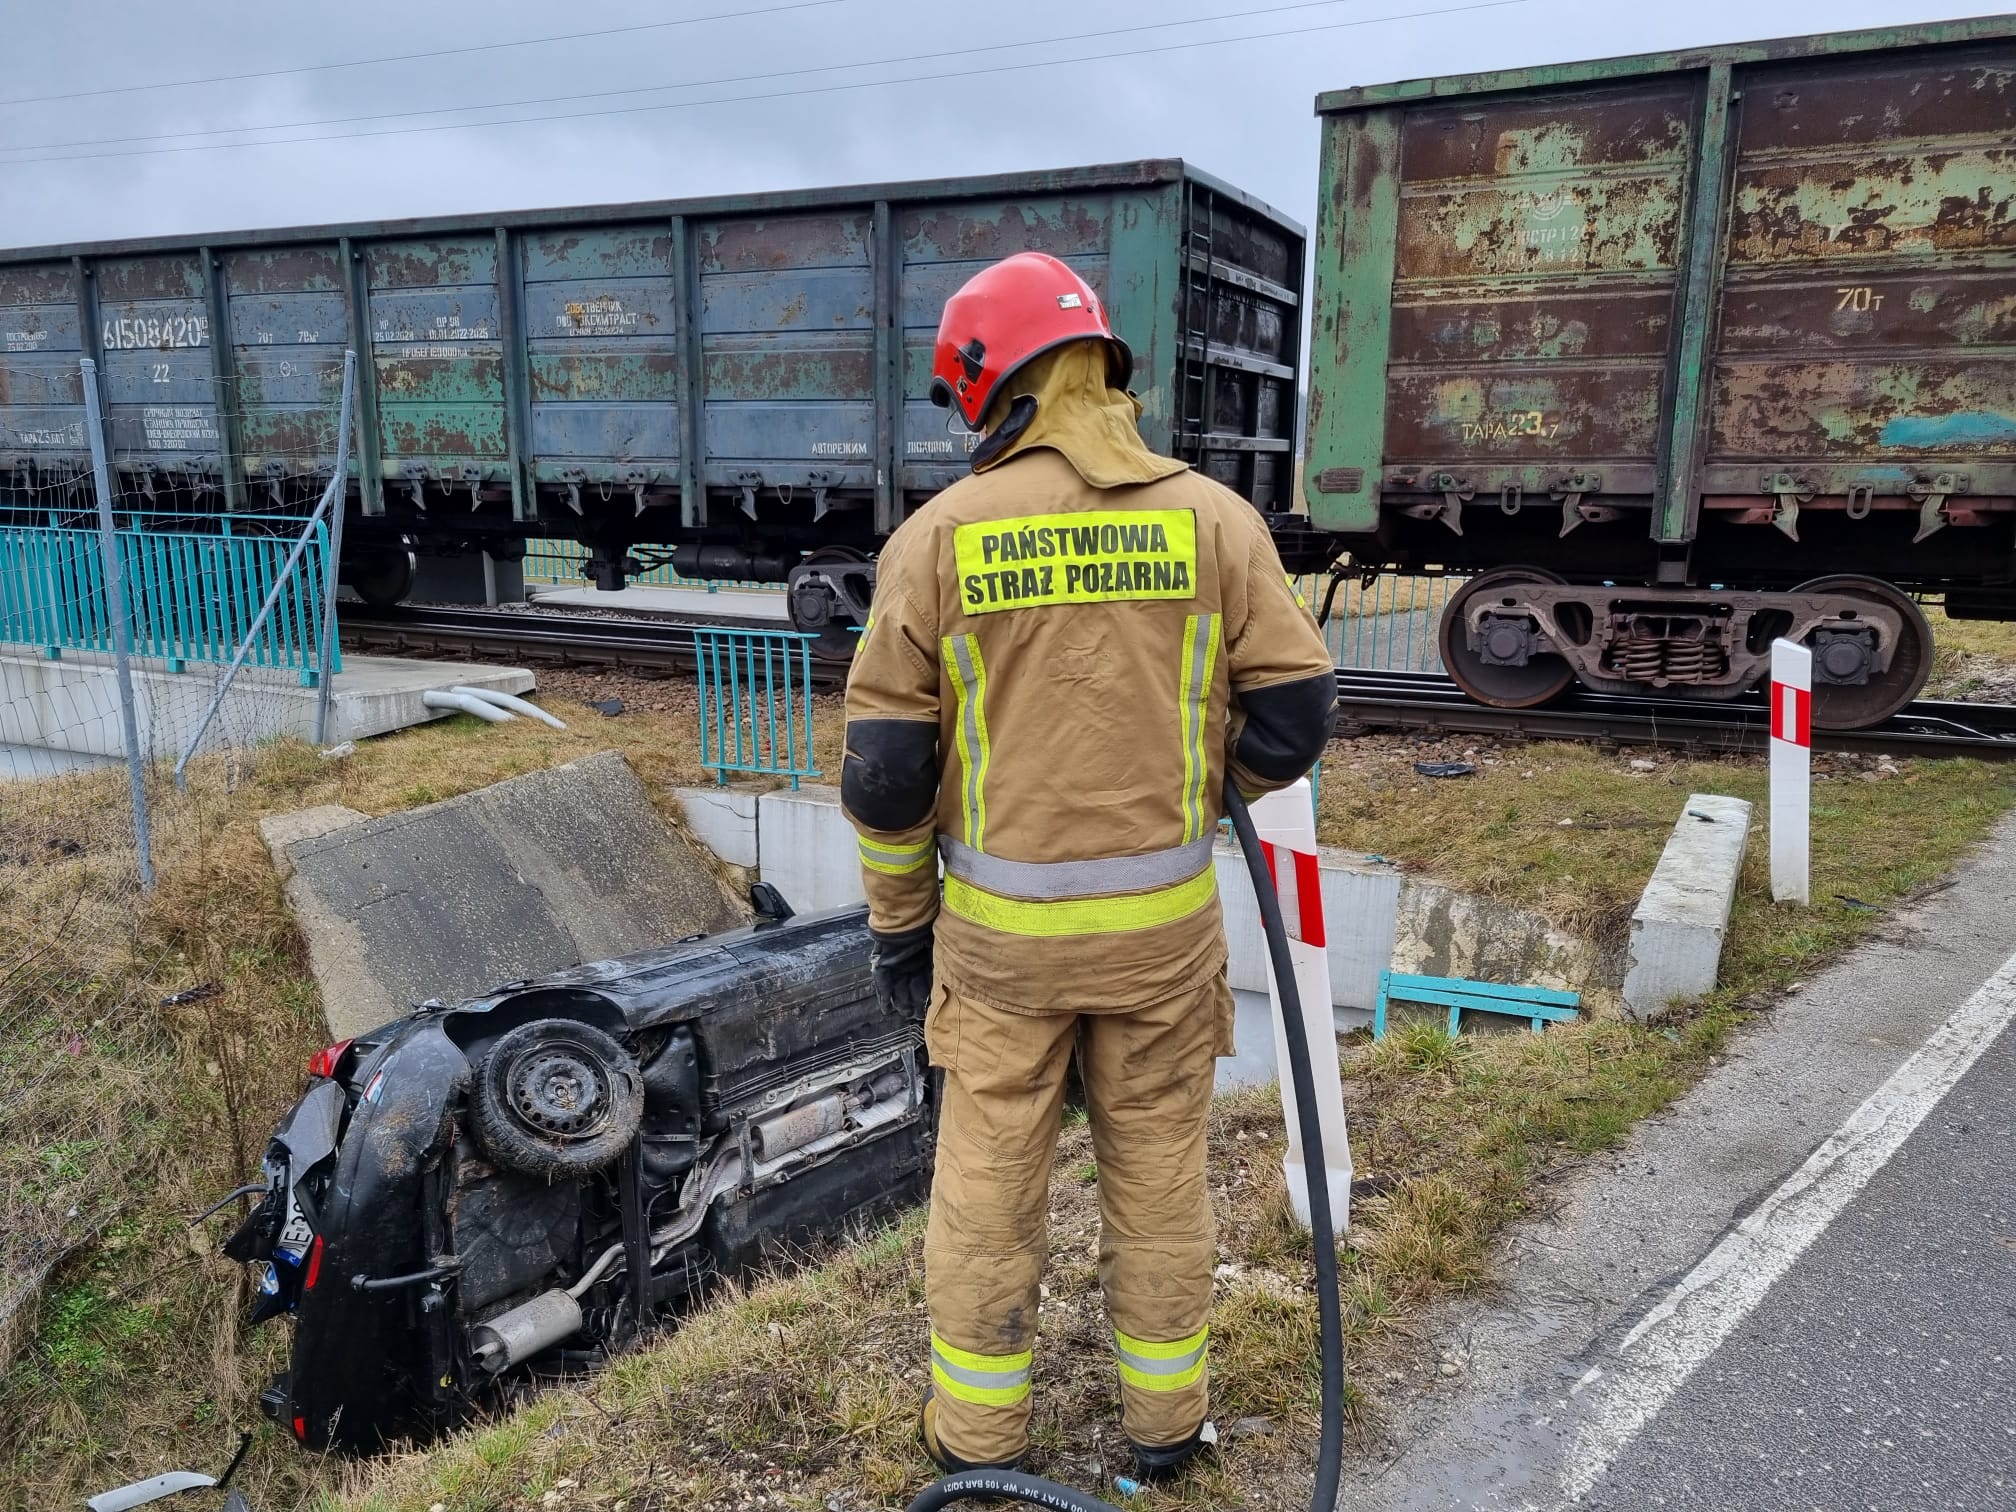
x=649, y=646
x=1430, y=703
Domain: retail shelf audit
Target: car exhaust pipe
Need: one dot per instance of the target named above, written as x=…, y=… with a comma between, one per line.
x=514, y=1337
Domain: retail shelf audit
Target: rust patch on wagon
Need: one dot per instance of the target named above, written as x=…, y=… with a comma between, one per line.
x=1911, y=408
x=1518, y=138
x=798, y=241
x=177, y=277
x=986, y=232
x=37, y=283
x=287, y=270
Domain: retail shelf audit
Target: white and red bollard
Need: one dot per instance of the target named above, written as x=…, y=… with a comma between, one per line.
x=1286, y=823
x=1791, y=772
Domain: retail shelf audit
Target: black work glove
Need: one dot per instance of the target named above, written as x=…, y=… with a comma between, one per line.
x=901, y=965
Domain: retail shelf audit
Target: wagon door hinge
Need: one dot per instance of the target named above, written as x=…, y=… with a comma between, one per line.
x=1931, y=494
x=418, y=483
x=1456, y=492
x=1569, y=489
x=1791, y=491
x=472, y=474
x=820, y=481
x=637, y=478
x=575, y=478
x=748, y=483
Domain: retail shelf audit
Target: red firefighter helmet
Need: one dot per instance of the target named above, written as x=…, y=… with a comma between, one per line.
x=1004, y=315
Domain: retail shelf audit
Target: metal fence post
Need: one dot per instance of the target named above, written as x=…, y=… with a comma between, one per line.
x=325, y=673
x=118, y=613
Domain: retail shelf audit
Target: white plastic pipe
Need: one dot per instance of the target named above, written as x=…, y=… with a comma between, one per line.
x=512, y=702
x=1286, y=823
x=489, y=713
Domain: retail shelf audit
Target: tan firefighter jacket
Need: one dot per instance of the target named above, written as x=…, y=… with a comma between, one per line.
x=1044, y=703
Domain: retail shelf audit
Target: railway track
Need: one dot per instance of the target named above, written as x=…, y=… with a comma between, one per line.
x=538, y=638
x=1367, y=700
x=1429, y=702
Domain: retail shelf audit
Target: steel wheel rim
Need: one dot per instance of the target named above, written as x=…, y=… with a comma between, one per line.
x=1545, y=678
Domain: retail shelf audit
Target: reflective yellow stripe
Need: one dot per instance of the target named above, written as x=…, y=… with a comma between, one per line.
x=1153, y=1366
x=969, y=678
x=1296, y=590
x=984, y=1380
x=1055, y=919
x=895, y=860
x=1200, y=661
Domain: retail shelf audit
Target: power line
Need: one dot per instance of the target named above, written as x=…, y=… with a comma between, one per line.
x=441, y=52
x=600, y=94
x=780, y=94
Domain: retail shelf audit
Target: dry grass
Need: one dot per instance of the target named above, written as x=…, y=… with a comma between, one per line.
x=1976, y=659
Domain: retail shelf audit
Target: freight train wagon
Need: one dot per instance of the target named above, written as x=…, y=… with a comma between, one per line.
x=1679, y=354
x=744, y=379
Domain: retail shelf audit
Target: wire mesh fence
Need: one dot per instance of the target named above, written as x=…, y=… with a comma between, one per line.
x=1390, y=624
x=150, y=621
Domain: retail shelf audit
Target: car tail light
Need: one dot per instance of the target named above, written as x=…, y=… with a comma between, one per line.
x=301, y=1429
x=314, y=1265
x=324, y=1061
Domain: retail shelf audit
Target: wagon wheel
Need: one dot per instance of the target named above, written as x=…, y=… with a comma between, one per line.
x=1542, y=678
x=1845, y=706
x=380, y=575
x=819, y=616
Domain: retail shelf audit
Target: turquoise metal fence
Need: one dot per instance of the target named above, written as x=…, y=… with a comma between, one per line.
x=194, y=590
x=557, y=561
x=755, y=702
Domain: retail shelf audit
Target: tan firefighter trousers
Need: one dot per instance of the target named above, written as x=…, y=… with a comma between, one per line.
x=1148, y=1076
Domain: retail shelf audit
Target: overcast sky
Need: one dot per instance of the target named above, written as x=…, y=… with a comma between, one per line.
x=1238, y=108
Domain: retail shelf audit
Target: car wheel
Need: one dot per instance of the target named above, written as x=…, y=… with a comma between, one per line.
x=556, y=1098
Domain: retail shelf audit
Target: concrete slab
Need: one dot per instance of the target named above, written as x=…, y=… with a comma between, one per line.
x=723, y=819
x=698, y=603
x=1361, y=898
x=72, y=705
x=1678, y=926
x=806, y=848
x=1444, y=931
x=510, y=881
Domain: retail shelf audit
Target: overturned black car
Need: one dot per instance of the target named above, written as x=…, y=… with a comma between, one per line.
x=524, y=1180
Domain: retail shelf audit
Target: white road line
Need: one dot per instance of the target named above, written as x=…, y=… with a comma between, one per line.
x=1705, y=1307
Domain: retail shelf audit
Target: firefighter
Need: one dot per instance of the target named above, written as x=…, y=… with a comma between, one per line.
x=1065, y=652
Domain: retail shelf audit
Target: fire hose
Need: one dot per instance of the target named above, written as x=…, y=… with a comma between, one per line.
x=1034, y=1490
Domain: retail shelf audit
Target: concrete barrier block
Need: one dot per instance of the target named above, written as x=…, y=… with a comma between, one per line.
x=1360, y=901
x=805, y=848
x=1678, y=927
x=723, y=819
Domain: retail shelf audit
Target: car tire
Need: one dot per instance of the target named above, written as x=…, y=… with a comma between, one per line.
x=556, y=1098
